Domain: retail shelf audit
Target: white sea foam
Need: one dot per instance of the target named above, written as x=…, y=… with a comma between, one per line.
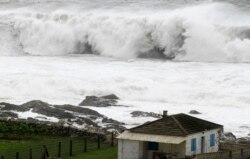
x=182, y=30
x=219, y=90
x=194, y=31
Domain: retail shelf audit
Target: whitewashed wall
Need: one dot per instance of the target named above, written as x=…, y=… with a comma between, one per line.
x=128, y=149
x=173, y=148
x=207, y=148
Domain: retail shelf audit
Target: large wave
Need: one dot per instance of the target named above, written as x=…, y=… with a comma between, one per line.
x=194, y=31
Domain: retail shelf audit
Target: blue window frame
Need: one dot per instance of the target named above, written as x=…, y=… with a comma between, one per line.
x=153, y=146
x=212, y=140
x=193, y=144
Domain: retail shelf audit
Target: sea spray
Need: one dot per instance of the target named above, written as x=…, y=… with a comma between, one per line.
x=186, y=31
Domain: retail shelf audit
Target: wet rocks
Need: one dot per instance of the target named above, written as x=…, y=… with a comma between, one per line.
x=145, y=114
x=34, y=104
x=67, y=115
x=46, y=109
x=8, y=106
x=110, y=120
x=8, y=114
x=228, y=137
x=114, y=127
x=111, y=96
x=243, y=140
x=89, y=122
x=103, y=101
x=77, y=109
x=32, y=120
x=194, y=112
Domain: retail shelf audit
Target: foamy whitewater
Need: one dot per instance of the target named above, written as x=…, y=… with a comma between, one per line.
x=174, y=55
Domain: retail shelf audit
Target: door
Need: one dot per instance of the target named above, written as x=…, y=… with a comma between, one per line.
x=202, y=144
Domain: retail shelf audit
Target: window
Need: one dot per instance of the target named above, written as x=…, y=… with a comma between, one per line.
x=153, y=146
x=212, y=140
x=193, y=144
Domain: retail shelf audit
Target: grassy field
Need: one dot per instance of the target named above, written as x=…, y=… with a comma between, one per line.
x=8, y=148
x=107, y=153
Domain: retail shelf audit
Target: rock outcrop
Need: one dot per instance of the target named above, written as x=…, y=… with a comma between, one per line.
x=8, y=114
x=145, y=114
x=103, y=101
x=67, y=115
x=46, y=109
x=12, y=107
x=194, y=112
x=77, y=109
x=228, y=137
x=243, y=140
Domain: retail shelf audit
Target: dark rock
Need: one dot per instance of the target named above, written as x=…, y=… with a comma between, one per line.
x=110, y=96
x=194, y=112
x=32, y=120
x=41, y=117
x=79, y=122
x=69, y=115
x=145, y=114
x=243, y=140
x=77, y=109
x=35, y=103
x=93, y=117
x=46, y=109
x=103, y=101
x=87, y=121
x=112, y=121
x=8, y=115
x=228, y=137
x=7, y=106
x=113, y=127
x=21, y=120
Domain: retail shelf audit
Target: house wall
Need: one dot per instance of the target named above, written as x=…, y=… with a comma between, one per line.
x=207, y=147
x=178, y=149
x=129, y=149
x=167, y=148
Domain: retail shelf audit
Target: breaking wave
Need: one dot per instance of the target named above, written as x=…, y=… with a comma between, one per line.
x=207, y=31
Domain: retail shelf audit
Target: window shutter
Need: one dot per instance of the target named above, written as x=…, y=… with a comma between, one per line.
x=212, y=140
x=193, y=144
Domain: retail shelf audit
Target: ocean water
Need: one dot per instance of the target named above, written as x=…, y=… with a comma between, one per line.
x=174, y=55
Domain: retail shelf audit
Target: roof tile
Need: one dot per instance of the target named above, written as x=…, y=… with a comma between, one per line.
x=176, y=125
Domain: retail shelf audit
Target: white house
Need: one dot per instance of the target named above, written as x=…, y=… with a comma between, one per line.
x=174, y=136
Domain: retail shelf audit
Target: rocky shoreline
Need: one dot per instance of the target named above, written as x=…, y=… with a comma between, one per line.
x=78, y=117
x=65, y=115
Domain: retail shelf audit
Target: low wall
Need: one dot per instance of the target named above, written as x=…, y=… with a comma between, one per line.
x=233, y=146
x=226, y=154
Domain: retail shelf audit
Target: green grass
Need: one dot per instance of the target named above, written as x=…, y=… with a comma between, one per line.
x=8, y=148
x=106, y=153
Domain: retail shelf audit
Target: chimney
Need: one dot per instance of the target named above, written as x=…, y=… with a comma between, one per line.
x=165, y=113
